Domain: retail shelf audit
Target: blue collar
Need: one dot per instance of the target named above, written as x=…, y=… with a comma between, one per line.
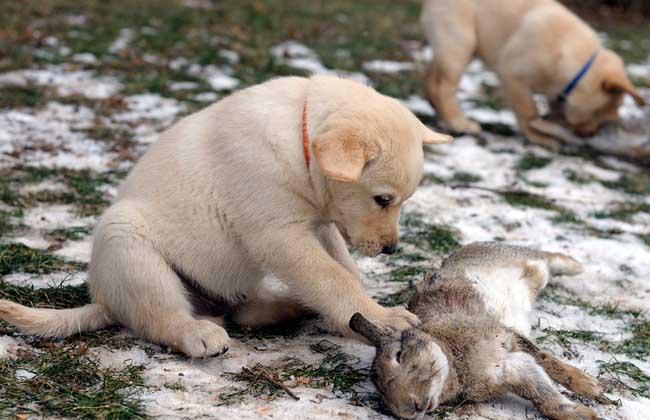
x=562, y=97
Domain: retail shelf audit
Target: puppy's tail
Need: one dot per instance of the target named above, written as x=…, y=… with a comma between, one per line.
x=563, y=265
x=55, y=323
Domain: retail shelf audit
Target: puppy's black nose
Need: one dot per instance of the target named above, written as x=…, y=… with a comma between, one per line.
x=389, y=249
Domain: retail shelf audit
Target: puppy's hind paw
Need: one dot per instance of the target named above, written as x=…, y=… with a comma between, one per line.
x=203, y=339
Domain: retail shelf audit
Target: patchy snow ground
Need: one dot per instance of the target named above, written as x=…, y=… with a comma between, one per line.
x=613, y=250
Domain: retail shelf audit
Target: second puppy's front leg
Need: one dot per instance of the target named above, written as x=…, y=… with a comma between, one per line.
x=296, y=255
x=520, y=98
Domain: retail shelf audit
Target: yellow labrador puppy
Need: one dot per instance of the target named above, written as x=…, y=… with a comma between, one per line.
x=270, y=180
x=534, y=46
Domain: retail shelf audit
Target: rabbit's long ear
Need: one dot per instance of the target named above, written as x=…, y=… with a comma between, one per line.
x=362, y=326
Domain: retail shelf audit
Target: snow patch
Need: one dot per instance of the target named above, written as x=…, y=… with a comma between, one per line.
x=65, y=80
x=390, y=67
x=299, y=56
x=122, y=41
x=50, y=137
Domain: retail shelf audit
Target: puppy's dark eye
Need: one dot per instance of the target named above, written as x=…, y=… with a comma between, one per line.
x=398, y=356
x=383, y=200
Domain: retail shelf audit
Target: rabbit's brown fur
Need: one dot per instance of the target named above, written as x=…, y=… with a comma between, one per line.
x=470, y=345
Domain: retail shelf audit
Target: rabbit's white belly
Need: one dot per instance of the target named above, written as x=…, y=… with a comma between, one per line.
x=505, y=294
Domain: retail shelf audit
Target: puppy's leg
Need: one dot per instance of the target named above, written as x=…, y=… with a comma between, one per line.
x=568, y=376
x=335, y=245
x=269, y=308
x=453, y=39
x=520, y=99
x=317, y=280
x=524, y=377
x=130, y=278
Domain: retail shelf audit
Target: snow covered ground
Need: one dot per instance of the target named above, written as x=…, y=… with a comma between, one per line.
x=61, y=161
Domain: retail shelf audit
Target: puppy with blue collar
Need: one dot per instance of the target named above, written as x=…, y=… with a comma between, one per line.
x=535, y=47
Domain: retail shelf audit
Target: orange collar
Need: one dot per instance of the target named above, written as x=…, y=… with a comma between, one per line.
x=305, y=136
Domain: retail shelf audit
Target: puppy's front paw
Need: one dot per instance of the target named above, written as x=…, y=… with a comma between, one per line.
x=397, y=319
x=203, y=339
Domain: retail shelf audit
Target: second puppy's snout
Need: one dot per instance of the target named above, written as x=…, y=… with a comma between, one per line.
x=389, y=249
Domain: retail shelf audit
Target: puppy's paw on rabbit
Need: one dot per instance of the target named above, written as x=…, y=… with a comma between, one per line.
x=396, y=319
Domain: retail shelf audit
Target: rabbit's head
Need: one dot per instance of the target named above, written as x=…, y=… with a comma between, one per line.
x=409, y=369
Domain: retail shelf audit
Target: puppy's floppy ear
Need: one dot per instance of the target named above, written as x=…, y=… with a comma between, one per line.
x=362, y=326
x=621, y=83
x=431, y=137
x=342, y=154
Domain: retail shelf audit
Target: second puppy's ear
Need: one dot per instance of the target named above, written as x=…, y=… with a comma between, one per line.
x=341, y=154
x=621, y=83
x=432, y=137
x=362, y=326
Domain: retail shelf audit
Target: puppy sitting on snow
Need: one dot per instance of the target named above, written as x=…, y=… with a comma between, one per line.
x=272, y=179
x=534, y=46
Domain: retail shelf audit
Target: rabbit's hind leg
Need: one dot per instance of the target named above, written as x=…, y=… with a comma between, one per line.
x=524, y=377
x=566, y=375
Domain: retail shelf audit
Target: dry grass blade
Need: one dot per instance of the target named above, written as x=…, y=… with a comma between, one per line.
x=260, y=373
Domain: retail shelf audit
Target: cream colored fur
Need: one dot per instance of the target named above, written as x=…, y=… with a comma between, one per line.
x=534, y=46
x=225, y=197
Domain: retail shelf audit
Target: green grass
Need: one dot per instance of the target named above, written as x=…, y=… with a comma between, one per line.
x=59, y=297
x=67, y=382
x=645, y=239
x=519, y=198
x=527, y=199
x=10, y=221
x=638, y=345
x=406, y=273
x=69, y=234
x=401, y=297
x=489, y=98
x=577, y=177
x=438, y=239
x=284, y=330
x=637, y=184
x=366, y=30
x=431, y=179
x=18, y=258
x=337, y=372
x=623, y=211
x=609, y=310
x=531, y=161
x=83, y=188
x=566, y=338
x=465, y=178
x=619, y=374
x=636, y=36
x=21, y=96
